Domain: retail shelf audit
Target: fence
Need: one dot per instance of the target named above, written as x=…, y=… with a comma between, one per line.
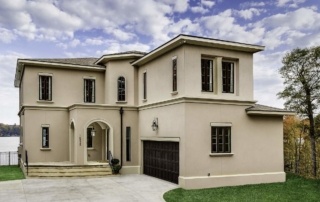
x=8, y=158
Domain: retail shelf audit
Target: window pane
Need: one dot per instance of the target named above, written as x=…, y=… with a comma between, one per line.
x=207, y=75
x=227, y=77
x=45, y=88
x=89, y=90
x=221, y=139
x=121, y=89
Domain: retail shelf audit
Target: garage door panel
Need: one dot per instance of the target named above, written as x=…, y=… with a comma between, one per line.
x=161, y=160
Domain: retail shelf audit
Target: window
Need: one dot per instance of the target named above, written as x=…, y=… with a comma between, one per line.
x=174, y=74
x=227, y=77
x=89, y=90
x=45, y=88
x=207, y=75
x=128, y=143
x=45, y=137
x=220, y=139
x=121, y=89
x=89, y=137
x=145, y=85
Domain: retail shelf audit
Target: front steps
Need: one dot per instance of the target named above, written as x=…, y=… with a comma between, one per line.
x=68, y=170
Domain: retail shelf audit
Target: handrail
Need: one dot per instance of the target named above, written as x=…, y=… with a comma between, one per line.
x=27, y=162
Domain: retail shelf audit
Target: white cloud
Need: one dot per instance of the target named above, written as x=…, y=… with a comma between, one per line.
x=208, y=3
x=6, y=36
x=290, y=3
x=252, y=4
x=199, y=9
x=9, y=96
x=115, y=47
x=248, y=13
x=181, y=6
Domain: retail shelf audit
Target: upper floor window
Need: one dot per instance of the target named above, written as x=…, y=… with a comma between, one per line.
x=121, y=88
x=220, y=139
x=207, y=75
x=174, y=74
x=227, y=77
x=45, y=137
x=45, y=87
x=145, y=85
x=89, y=90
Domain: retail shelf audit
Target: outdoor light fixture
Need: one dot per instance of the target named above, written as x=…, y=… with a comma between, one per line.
x=155, y=125
x=93, y=132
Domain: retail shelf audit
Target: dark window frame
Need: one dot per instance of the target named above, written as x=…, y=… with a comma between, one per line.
x=207, y=75
x=228, y=77
x=121, y=89
x=128, y=143
x=220, y=133
x=89, y=138
x=45, y=87
x=45, y=137
x=89, y=90
x=174, y=75
x=144, y=85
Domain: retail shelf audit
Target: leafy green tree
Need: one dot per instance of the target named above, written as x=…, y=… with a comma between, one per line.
x=301, y=73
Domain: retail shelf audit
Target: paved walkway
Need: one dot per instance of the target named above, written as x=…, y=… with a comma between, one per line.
x=126, y=188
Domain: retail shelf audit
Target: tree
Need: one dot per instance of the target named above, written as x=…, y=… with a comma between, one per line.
x=301, y=73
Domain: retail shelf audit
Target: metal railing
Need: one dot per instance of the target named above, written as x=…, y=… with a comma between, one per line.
x=9, y=158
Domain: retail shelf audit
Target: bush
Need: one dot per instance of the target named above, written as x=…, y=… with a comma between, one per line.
x=115, y=161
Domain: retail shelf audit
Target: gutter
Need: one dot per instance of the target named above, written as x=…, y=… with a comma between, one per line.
x=121, y=131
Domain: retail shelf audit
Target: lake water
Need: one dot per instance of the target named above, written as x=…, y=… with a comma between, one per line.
x=9, y=144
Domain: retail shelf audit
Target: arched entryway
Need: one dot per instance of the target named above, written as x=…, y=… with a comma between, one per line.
x=98, y=141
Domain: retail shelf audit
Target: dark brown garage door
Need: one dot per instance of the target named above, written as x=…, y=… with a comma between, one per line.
x=161, y=160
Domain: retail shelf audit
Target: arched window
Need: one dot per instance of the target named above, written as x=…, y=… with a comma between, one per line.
x=121, y=88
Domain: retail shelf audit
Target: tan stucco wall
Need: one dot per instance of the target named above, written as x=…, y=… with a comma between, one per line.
x=115, y=69
x=58, y=135
x=67, y=86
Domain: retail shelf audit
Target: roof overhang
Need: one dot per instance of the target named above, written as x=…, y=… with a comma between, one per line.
x=199, y=41
x=21, y=63
x=271, y=113
x=106, y=58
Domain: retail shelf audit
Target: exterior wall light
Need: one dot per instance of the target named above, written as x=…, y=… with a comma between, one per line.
x=93, y=132
x=155, y=125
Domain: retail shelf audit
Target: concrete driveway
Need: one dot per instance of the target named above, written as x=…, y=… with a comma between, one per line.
x=115, y=188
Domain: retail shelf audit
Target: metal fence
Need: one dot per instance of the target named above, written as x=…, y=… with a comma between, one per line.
x=8, y=158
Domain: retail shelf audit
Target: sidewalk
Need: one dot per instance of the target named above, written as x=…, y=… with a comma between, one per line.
x=116, y=188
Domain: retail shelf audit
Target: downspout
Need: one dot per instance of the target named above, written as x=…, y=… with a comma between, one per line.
x=121, y=126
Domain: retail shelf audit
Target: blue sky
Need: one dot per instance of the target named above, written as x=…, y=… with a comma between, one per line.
x=84, y=28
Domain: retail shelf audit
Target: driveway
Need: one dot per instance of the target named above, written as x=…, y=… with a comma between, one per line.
x=115, y=188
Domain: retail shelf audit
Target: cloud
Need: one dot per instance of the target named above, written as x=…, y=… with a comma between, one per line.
x=252, y=4
x=116, y=47
x=290, y=3
x=6, y=36
x=9, y=95
x=202, y=7
x=181, y=6
x=208, y=3
x=247, y=14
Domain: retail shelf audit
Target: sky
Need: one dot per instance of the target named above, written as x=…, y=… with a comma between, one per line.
x=91, y=28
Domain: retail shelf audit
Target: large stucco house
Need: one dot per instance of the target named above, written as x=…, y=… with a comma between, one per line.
x=183, y=112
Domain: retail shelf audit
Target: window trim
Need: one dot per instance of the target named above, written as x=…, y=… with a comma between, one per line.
x=217, y=151
x=47, y=140
x=211, y=74
x=125, y=90
x=232, y=80
x=85, y=90
x=42, y=75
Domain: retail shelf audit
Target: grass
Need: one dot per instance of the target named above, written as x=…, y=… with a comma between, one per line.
x=294, y=189
x=10, y=173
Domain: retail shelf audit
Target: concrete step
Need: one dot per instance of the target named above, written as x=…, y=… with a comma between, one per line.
x=69, y=171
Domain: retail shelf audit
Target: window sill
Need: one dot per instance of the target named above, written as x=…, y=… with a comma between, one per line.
x=144, y=100
x=121, y=102
x=45, y=101
x=45, y=149
x=220, y=154
x=91, y=149
x=174, y=93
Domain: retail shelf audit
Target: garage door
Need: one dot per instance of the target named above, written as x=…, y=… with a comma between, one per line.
x=161, y=160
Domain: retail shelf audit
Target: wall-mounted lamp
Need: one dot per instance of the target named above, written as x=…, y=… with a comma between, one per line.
x=93, y=132
x=155, y=124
